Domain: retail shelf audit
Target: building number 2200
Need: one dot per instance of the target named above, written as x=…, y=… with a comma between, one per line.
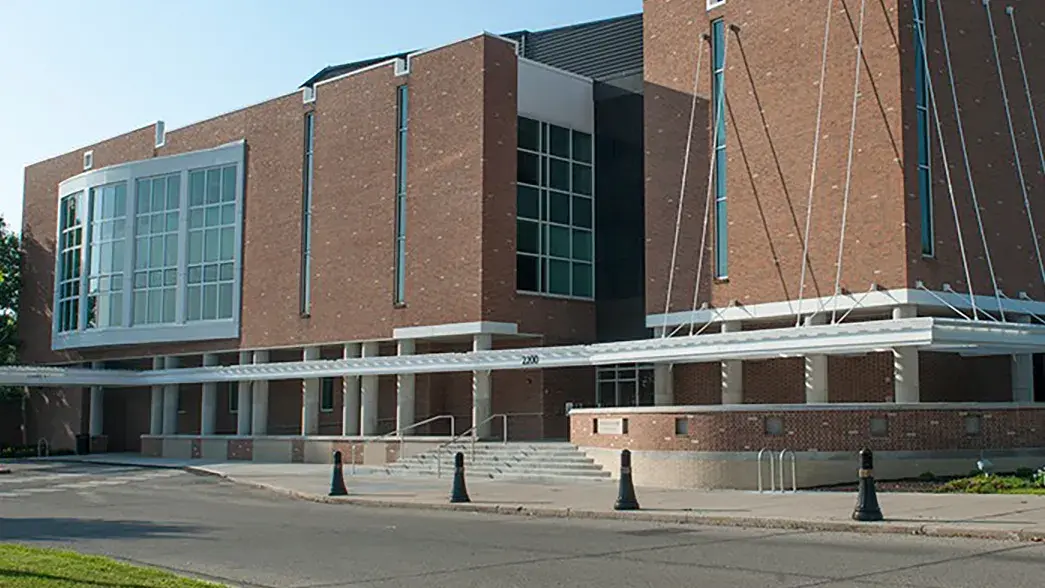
x=530, y=359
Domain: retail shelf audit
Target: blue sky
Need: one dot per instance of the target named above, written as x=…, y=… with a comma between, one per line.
x=74, y=72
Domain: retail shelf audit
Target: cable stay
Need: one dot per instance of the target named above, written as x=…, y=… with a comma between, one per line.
x=1026, y=87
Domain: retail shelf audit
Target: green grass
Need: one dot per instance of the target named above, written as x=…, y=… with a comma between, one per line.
x=993, y=485
x=30, y=567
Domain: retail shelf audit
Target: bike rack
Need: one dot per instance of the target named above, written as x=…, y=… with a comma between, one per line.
x=772, y=474
x=794, y=479
x=773, y=477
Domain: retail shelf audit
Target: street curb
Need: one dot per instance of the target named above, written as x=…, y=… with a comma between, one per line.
x=886, y=527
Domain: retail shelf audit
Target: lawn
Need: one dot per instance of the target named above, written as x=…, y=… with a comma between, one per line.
x=30, y=567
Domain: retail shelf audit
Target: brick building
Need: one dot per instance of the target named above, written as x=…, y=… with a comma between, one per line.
x=390, y=244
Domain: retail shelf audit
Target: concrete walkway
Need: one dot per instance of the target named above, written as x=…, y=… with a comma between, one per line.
x=952, y=515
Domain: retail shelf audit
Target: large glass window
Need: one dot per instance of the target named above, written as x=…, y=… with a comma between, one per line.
x=326, y=395
x=555, y=208
x=108, y=210
x=718, y=33
x=402, y=118
x=306, y=217
x=156, y=249
x=146, y=247
x=212, y=243
x=924, y=130
x=70, y=250
x=624, y=385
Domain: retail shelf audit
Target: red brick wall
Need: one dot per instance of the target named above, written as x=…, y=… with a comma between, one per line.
x=57, y=415
x=775, y=381
x=923, y=429
x=946, y=377
x=697, y=383
x=865, y=378
x=773, y=65
x=10, y=423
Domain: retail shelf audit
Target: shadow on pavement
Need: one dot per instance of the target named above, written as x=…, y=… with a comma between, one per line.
x=60, y=529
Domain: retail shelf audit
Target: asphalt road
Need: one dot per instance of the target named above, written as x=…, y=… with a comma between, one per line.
x=218, y=531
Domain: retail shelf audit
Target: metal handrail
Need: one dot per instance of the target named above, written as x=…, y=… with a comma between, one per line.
x=399, y=432
x=475, y=427
x=772, y=471
x=794, y=479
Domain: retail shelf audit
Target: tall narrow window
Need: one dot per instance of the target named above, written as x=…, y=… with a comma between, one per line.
x=306, y=217
x=212, y=243
x=718, y=30
x=157, y=216
x=921, y=105
x=70, y=268
x=106, y=255
x=402, y=117
x=326, y=395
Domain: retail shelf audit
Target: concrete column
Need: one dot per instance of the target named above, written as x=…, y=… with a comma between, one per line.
x=405, y=392
x=310, y=397
x=350, y=395
x=244, y=400
x=905, y=365
x=732, y=372
x=816, y=369
x=170, y=400
x=156, y=407
x=368, y=393
x=1023, y=373
x=482, y=396
x=259, y=417
x=663, y=384
x=97, y=408
x=209, y=399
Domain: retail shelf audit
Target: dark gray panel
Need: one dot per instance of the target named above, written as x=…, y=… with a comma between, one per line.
x=599, y=50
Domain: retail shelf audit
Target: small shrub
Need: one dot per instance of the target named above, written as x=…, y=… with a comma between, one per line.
x=1027, y=473
x=987, y=484
x=1039, y=478
x=927, y=476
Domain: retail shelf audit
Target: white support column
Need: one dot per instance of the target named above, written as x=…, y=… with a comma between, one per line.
x=368, y=393
x=905, y=365
x=482, y=396
x=816, y=369
x=732, y=372
x=244, y=400
x=663, y=384
x=1023, y=373
x=310, y=397
x=405, y=392
x=97, y=408
x=259, y=417
x=170, y=400
x=156, y=406
x=209, y=399
x=350, y=395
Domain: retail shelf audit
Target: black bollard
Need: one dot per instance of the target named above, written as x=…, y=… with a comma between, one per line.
x=459, y=493
x=867, y=508
x=626, y=494
x=337, y=483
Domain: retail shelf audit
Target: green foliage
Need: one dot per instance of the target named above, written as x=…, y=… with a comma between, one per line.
x=1027, y=473
x=22, y=451
x=34, y=567
x=10, y=287
x=927, y=476
x=994, y=485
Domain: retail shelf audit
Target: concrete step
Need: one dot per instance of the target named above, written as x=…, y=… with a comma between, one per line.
x=553, y=462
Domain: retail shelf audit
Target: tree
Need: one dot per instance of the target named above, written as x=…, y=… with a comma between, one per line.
x=10, y=286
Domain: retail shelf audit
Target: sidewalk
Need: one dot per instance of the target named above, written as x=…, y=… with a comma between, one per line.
x=947, y=515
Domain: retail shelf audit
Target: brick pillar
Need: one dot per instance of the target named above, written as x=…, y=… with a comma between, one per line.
x=732, y=372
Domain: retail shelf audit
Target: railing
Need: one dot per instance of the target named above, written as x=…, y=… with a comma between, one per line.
x=772, y=470
x=472, y=431
x=399, y=432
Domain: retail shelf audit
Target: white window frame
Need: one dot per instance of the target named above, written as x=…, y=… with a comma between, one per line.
x=713, y=4
x=88, y=160
x=181, y=330
x=333, y=395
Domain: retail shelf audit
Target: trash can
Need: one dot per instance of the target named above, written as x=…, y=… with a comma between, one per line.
x=83, y=444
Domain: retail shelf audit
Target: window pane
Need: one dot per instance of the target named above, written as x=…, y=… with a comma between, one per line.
x=212, y=216
x=155, y=251
x=225, y=301
x=228, y=241
x=582, y=280
x=527, y=237
x=197, y=183
x=560, y=141
x=144, y=195
x=116, y=312
x=159, y=194
x=560, y=174
x=195, y=303
x=228, y=214
x=155, y=306
x=559, y=204
x=559, y=241
x=529, y=131
x=228, y=184
x=195, y=274
x=226, y=272
x=607, y=394
x=196, y=219
x=582, y=212
x=528, y=169
x=170, y=277
x=195, y=246
x=210, y=302
x=139, y=307
x=527, y=202
x=626, y=391
x=168, y=305
x=171, y=250
x=213, y=186
x=581, y=179
x=173, y=192
x=558, y=276
x=210, y=244
x=210, y=272
x=581, y=146
x=721, y=240
x=172, y=221
x=582, y=245
x=526, y=273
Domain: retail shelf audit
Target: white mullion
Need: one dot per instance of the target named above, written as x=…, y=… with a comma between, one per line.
x=130, y=253
x=180, y=292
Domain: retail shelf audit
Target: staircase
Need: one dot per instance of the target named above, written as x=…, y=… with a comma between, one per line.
x=536, y=461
